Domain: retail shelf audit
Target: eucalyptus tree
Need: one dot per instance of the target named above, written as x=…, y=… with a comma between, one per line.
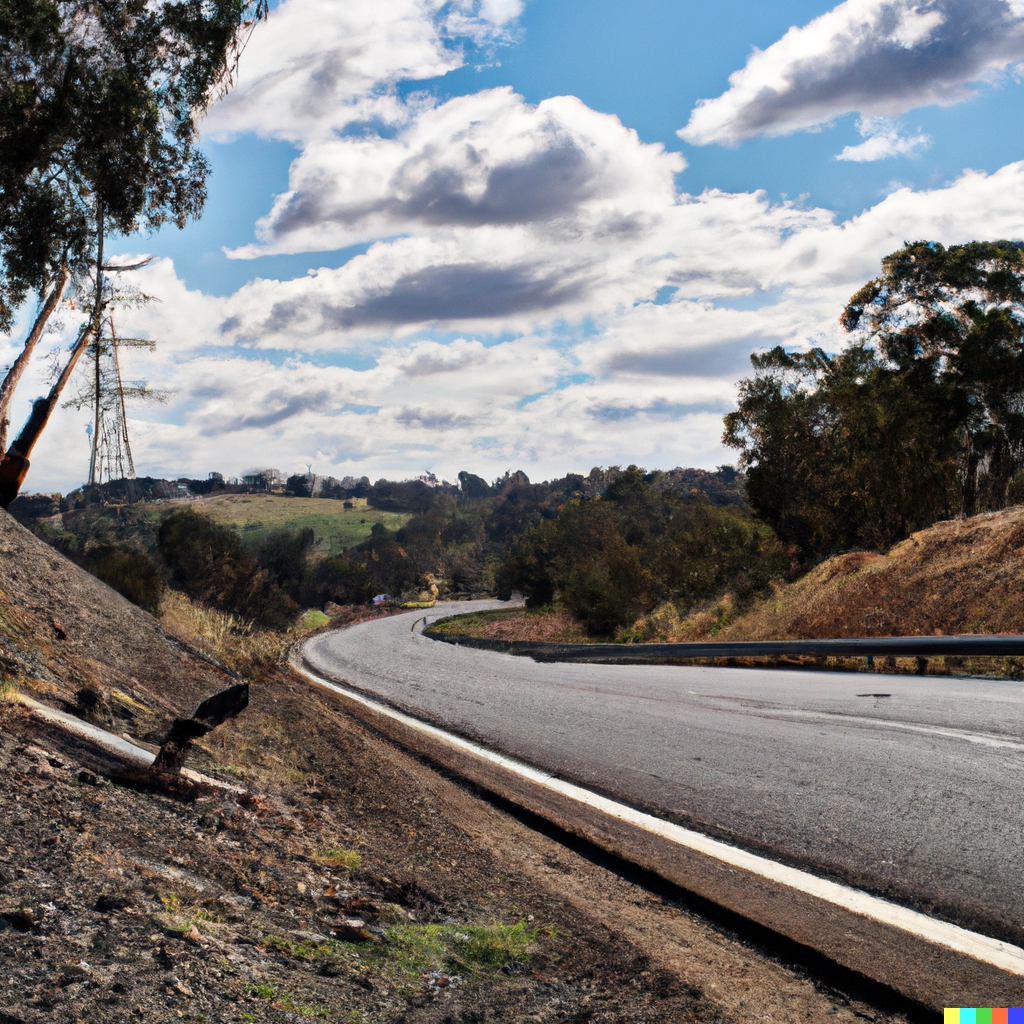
x=957, y=314
x=99, y=109
x=899, y=429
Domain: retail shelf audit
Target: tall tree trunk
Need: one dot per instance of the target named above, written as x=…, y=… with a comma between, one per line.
x=14, y=374
x=96, y=336
x=15, y=463
x=970, y=484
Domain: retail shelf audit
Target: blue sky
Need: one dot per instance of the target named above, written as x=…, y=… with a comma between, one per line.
x=510, y=277
x=648, y=62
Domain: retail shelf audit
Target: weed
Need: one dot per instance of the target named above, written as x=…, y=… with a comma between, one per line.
x=345, y=860
x=286, y=1001
x=314, y=619
x=410, y=950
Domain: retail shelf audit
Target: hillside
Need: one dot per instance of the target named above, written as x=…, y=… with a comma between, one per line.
x=335, y=527
x=960, y=576
x=72, y=641
x=342, y=879
x=254, y=516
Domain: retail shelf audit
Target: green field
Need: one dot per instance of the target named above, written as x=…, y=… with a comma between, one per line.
x=256, y=515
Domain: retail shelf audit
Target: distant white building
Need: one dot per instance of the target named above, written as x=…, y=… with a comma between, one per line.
x=270, y=479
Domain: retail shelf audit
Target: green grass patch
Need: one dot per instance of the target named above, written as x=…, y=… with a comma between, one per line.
x=314, y=619
x=335, y=527
x=286, y=1001
x=344, y=860
x=469, y=624
x=254, y=516
x=409, y=950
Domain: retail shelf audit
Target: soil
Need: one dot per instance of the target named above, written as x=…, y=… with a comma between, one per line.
x=348, y=881
x=69, y=639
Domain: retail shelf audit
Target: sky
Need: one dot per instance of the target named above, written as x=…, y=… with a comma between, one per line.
x=543, y=235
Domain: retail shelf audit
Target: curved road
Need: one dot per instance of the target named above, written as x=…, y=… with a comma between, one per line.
x=910, y=786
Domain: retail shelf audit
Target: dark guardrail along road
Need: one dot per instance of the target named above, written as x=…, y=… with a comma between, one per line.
x=909, y=786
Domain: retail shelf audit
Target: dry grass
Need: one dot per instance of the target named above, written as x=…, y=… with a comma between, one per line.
x=232, y=641
x=542, y=626
x=961, y=576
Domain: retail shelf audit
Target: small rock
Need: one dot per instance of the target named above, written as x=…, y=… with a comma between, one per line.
x=175, y=985
x=352, y=929
x=72, y=974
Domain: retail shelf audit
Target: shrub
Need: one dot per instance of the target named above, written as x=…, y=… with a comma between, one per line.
x=129, y=572
x=609, y=560
x=209, y=563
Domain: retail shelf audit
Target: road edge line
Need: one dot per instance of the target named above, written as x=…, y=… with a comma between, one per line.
x=993, y=952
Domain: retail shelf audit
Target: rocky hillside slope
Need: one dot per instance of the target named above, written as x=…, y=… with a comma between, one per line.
x=71, y=641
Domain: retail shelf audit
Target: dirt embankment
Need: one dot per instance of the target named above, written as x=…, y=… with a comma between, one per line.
x=961, y=576
x=348, y=882
x=70, y=640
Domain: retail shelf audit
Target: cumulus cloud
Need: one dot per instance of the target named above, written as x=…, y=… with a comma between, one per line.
x=318, y=66
x=645, y=381
x=487, y=159
x=882, y=139
x=876, y=57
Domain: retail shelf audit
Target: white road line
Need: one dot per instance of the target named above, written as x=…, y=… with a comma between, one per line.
x=838, y=718
x=1002, y=955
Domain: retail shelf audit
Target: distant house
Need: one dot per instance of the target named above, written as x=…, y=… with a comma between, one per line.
x=263, y=479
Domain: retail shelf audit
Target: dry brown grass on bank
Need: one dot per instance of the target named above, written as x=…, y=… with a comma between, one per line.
x=236, y=643
x=544, y=625
x=961, y=576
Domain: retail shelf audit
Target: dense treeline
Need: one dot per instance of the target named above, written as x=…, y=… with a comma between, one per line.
x=920, y=419
x=610, y=559
x=458, y=543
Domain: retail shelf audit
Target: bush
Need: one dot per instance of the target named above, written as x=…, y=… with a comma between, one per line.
x=210, y=564
x=129, y=572
x=609, y=560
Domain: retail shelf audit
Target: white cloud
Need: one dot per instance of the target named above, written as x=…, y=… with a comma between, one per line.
x=500, y=387
x=487, y=159
x=882, y=140
x=876, y=57
x=320, y=65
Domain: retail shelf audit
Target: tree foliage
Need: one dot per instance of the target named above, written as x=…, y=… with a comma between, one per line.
x=131, y=573
x=99, y=102
x=610, y=559
x=209, y=563
x=921, y=418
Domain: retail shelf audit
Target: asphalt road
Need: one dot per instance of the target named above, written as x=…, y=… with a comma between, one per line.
x=909, y=786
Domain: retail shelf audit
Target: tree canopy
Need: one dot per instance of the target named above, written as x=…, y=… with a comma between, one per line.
x=98, y=107
x=99, y=102
x=920, y=418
